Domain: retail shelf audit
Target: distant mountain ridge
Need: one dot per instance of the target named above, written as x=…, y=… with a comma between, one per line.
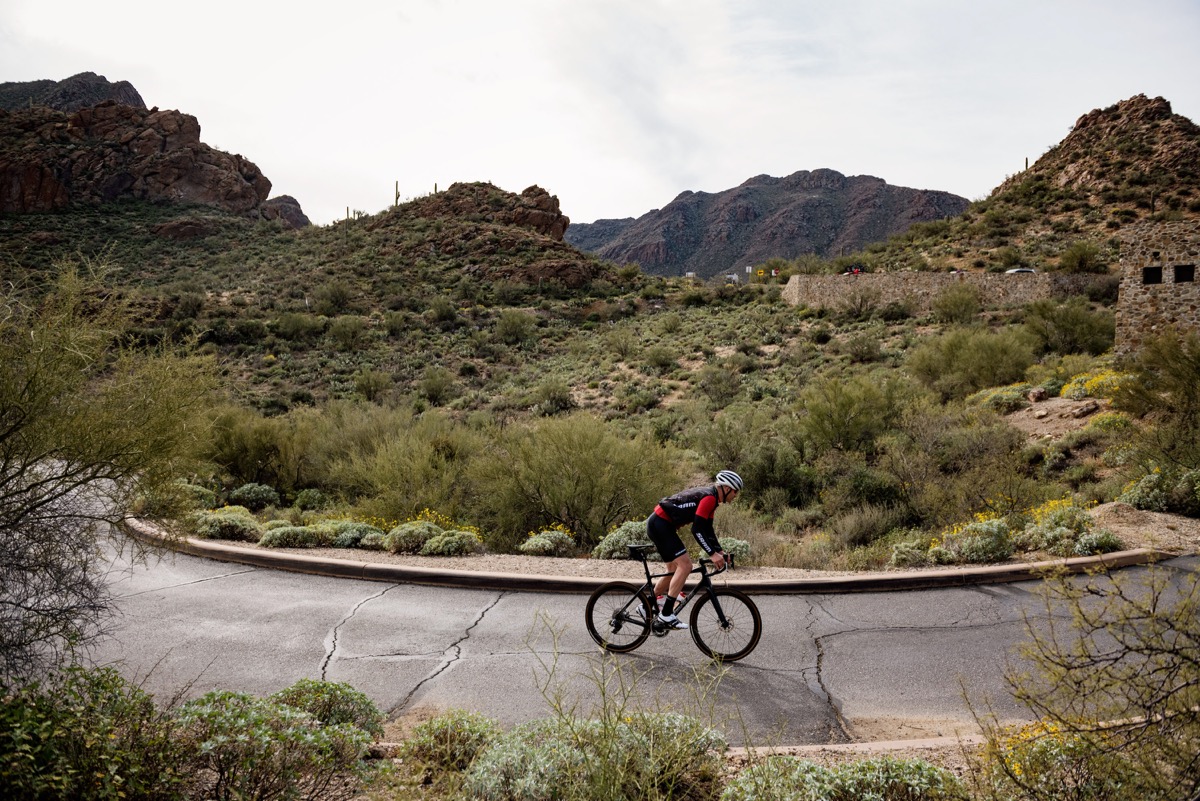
x=822, y=212
x=70, y=94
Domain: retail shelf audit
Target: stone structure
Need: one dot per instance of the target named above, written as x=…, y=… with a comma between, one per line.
x=918, y=290
x=1158, y=282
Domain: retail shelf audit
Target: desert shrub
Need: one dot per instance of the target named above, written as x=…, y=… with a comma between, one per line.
x=597, y=759
x=332, y=297
x=966, y=360
x=1162, y=388
x=259, y=748
x=1102, y=383
x=780, y=778
x=1037, y=761
x=88, y=734
x=515, y=327
x=573, y=470
x=411, y=536
x=986, y=541
x=1082, y=256
x=910, y=553
x=1096, y=542
x=1165, y=491
x=296, y=327
x=719, y=384
x=1109, y=422
x=226, y=523
x=254, y=496
x=739, y=549
x=863, y=524
x=660, y=359
x=850, y=414
x=350, y=533
x=451, y=741
x=373, y=541
x=884, y=778
x=1002, y=399
x=349, y=332
x=958, y=303
x=615, y=545
x=1057, y=527
x=372, y=384
x=553, y=541
x=452, y=543
x=333, y=703
x=297, y=537
x=200, y=497
x=311, y=500
x=1070, y=327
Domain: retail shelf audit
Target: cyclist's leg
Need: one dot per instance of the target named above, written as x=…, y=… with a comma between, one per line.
x=673, y=552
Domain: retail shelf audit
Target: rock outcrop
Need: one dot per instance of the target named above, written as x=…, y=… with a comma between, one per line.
x=103, y=153
x=821, y=212
x=74, y=93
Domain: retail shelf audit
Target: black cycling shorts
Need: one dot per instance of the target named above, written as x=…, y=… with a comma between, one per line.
x=665, y=537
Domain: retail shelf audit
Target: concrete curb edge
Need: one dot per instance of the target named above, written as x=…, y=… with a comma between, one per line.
x=469, y=579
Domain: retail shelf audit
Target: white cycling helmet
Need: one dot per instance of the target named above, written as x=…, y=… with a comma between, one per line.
x=730, y=479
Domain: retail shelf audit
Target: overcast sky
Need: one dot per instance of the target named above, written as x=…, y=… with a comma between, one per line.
x=617, y=106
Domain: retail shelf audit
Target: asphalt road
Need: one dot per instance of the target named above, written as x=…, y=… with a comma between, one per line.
x=829, y=667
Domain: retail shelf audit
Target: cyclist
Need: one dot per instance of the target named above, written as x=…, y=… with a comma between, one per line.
x=695, y=506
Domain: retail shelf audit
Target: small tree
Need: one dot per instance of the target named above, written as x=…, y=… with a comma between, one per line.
x=87, y=425
x=1115, y=681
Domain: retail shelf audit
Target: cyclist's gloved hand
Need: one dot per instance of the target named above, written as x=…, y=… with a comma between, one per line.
x=718, y=560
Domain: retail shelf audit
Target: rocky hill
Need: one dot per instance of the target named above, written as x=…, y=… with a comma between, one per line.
x=492, y=234
x=72, y=94
x=51, y=159
x=822, y=212
x=1132, y=162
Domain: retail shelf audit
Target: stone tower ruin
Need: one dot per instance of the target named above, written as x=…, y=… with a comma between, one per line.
x=1158, y=282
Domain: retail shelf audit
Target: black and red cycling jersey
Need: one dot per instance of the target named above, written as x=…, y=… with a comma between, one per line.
x=697, y=507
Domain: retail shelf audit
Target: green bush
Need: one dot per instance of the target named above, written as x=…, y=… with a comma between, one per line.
x=254, y=497
x=966, y=360
x=88, y=734
x=1037, y=763
x=1097, y=542
x=881, y=779
x=226, y=523
x=452, y=543
x=411, y=537
x=576, y=471
x=1082, y=256
x=258, y=748
x=615, y=544
x=350, y=533
x=737, y=548
x=958, y=303
x=1002, y=400
x=333, y=703
x=373, y=541
x=311, y=499
x=988, y=541
x=1070, y=327
x=297, y=537
x=549, y=542
x=451, y=741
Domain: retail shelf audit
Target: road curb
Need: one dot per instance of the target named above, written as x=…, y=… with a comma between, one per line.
x=470, y=579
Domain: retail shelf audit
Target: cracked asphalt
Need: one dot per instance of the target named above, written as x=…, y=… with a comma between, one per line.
x=828, y=667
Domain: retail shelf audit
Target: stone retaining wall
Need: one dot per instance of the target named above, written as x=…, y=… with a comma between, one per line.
x=1158, y=282
x=919, y=290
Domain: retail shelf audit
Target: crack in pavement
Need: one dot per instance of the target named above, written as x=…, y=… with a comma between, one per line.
x=190, y=583
x=822, y=690
x=447, y=660
x=333, y=634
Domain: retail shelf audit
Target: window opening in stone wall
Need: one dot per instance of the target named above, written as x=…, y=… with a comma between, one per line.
x=1185, y=273
x=1152, y=275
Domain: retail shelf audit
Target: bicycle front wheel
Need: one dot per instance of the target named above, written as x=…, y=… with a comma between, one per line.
x=732, y=639
x=618, y=616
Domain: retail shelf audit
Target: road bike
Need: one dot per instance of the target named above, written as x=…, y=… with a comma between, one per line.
x=725, y=623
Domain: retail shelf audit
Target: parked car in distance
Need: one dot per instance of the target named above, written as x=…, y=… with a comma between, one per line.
x=1021, y=270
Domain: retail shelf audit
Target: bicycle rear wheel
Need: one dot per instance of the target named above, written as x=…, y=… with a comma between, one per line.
x=618, y=616
x=737, y=636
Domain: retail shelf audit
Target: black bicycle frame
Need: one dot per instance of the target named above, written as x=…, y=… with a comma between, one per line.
x=640, y=551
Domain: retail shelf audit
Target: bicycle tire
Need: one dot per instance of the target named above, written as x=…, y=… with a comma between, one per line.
x=612, y=616
x=734, y=641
